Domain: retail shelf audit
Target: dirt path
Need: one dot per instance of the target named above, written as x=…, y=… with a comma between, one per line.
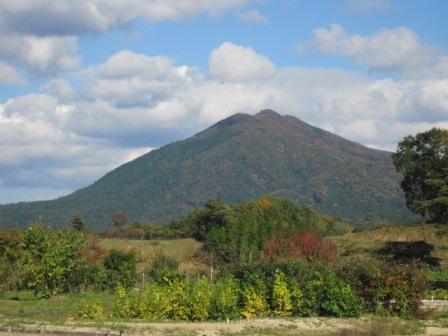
x=274, y=327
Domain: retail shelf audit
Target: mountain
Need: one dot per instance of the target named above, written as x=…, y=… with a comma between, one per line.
x=237, y=159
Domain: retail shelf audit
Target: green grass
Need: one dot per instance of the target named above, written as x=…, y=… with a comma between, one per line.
x=365, y=243
x=25, y=306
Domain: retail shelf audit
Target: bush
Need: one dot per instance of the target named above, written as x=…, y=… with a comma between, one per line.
x=156, y=300
x=364, y=275
x=200, y=300
x=391, y=288
x=253, y=303
x=309, y=305
x=123, y=305
x=404, y=288
x=225, y=300
x=120, y=268
x=297, y=299
x=178, y=306
x=281, y=297
x=164, y=269
x=339, y=299
x=51, y=258
x=91, y=310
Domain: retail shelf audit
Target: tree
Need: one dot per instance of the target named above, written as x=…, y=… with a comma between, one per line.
x=423, y=161
x=78, y=222
x=118, y=220
x=52, y=259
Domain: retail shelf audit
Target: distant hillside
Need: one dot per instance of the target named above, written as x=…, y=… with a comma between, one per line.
x=237, y=159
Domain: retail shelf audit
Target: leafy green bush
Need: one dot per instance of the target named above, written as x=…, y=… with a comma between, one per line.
x=51, y=258
x=309, y=305
x=225, y=300
x=281, y=297
x=179, y=304
x=200, y=300
x=156, y=299
x=123, y=306
x=164, y=269
x=297, y=298
x=288, y=289
x=253, y=303
x=120, y=268
x=91, y=310
x=339, y=299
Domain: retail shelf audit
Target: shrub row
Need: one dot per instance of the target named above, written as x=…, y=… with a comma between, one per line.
x=254, y=295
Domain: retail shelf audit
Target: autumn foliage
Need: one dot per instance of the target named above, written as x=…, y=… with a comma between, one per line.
x=306, y=245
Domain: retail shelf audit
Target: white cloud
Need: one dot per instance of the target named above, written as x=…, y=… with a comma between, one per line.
x=252, y=16
x=397, y=50
x=235, y=62
x=67, y=17
x=366, y=6
x=40, y=36
x=70, y=133
x=126, y=64
x=40, y=55
x=38, y=150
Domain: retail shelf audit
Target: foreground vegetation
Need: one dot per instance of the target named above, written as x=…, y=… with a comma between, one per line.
x=286, y=269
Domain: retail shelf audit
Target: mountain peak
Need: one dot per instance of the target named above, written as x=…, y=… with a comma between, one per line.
x=242, y=157
x=268, y=113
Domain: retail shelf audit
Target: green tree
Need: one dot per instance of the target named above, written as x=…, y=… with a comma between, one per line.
x=52, y=259
x=78, y=222
x=423, y=161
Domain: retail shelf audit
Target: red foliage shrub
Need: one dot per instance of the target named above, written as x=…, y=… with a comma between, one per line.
x=305, y=245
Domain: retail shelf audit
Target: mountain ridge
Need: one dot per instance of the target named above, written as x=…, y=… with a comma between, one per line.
x=239, y=158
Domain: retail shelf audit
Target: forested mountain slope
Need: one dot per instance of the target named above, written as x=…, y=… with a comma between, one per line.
x=240, y=158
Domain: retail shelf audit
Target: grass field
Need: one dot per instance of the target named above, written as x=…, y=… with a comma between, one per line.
x=367, y=242
x=25, y=306
x=185, y=251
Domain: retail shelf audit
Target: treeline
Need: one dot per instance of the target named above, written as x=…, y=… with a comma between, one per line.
x=238, y=233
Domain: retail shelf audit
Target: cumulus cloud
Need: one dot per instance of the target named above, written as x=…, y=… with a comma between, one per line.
x=239, y=63
x=252, y=16
x=70, y=133
x=398, y=50
x=37, y=150
x=40, y=55
x=40, y=36
x=67, y=17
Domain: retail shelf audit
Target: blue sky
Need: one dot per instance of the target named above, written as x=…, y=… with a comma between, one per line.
x=88, y=85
